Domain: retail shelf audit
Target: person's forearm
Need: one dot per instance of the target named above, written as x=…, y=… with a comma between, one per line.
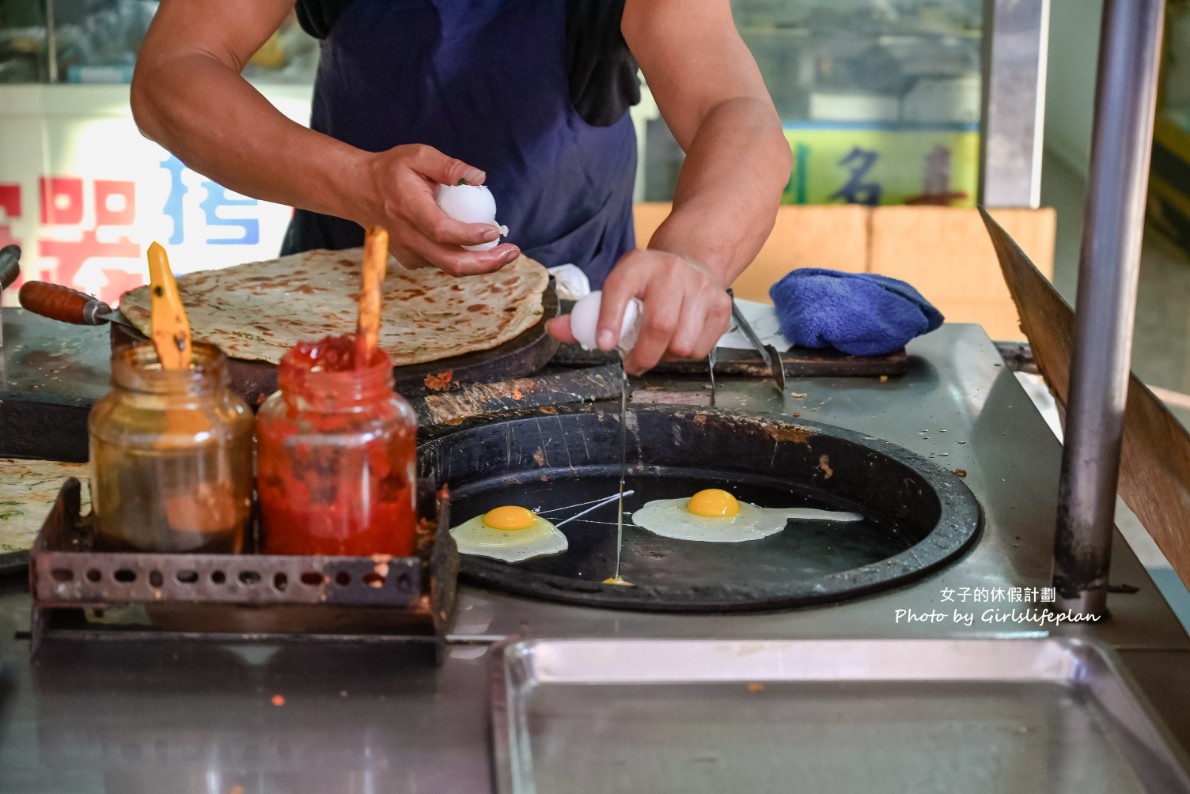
x=219, y=125
x=729, y=189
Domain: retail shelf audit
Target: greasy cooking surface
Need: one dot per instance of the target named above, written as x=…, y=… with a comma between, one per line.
x=804, y=550
x=916, y=516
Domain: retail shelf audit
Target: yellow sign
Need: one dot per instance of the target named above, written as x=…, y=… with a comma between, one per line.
x=871, y=164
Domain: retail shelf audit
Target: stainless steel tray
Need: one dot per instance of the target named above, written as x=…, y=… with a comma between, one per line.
x=822, y=716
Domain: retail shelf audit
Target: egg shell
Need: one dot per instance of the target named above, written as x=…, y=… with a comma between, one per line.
x=585, y=317
x=471, y=204
x=488, y=246
x=570, y=282
x=467, y=203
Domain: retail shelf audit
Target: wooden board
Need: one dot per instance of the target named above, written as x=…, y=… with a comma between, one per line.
x=1155, y=461
x=798, y=362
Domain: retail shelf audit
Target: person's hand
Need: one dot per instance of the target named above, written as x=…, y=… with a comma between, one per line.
x=686, y=309
x=403, y=182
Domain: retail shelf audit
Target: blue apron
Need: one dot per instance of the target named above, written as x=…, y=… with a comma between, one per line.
x=484, y=81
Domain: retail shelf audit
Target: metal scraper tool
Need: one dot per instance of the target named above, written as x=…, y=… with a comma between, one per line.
x=768, y=353
x=711, y=375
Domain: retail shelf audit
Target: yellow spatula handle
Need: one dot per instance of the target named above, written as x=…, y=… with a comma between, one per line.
x=167, y=317
x=375, y=262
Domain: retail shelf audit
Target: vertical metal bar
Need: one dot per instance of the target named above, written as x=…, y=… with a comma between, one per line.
x=51, y=41
x=1015, y=50
x=1125, y=100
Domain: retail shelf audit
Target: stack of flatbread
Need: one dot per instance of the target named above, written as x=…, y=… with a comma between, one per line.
x=259, y=310
x=28, y=489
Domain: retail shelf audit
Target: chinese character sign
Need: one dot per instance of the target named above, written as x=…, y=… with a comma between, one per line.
x=870, y=164
x=83, y=194
x=856, y=190
x=215, y=198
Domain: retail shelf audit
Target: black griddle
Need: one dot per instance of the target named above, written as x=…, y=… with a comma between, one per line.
x=918, y=516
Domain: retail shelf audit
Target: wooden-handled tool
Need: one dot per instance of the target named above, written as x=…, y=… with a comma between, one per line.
x=167, y=317
x=67, y=305
x=10, y=268
x=10, y=265
x=1155, y=462
x=375, y=262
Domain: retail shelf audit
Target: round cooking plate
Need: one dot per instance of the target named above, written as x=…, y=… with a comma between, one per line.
x=917, y=515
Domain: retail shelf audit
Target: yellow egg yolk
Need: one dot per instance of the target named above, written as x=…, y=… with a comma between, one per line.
x=509, y=517
x=712, y=503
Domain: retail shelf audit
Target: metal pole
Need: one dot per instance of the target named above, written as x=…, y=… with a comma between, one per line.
x=51, y=41
x=1125, y=100
x=1015, y=52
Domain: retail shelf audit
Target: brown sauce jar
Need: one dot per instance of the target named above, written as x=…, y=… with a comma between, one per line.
x=171, y=456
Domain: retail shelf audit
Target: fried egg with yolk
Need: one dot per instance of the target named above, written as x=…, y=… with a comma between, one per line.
x=509, y=533
x=716, y=516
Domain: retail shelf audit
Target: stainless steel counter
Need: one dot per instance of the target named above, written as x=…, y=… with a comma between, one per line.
x=135, y=718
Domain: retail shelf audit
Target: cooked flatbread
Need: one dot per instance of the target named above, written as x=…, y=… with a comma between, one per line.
x=259, y=310
x=28, y=489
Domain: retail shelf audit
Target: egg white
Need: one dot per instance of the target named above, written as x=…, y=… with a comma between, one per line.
x=538, y=540
x=669, y=518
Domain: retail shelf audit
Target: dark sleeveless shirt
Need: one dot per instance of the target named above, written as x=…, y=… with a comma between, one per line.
x=534, y=92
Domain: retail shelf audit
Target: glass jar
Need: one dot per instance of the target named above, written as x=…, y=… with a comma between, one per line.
x=171, y=456
x=336, y=450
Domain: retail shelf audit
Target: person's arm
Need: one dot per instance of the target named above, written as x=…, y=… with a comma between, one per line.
x=189, y=96
x=711, y=95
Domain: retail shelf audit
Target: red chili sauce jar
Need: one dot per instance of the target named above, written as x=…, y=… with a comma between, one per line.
x=336, y=456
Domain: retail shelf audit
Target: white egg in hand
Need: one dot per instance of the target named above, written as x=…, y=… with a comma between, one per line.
x=716, y=516
x=471, y=204
x=585, y=316
x=510, y=534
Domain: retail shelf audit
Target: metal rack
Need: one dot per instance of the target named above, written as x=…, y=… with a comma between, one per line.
x=80, y=593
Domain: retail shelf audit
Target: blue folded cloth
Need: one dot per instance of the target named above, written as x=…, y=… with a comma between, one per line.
x=861, y=314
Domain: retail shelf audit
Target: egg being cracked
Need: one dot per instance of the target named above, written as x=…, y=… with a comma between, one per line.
x=510, y=534
x=471, y=204
x=715, y=516
x=584, y=318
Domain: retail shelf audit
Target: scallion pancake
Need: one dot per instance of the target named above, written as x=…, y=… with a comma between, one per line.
x=259, y=310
